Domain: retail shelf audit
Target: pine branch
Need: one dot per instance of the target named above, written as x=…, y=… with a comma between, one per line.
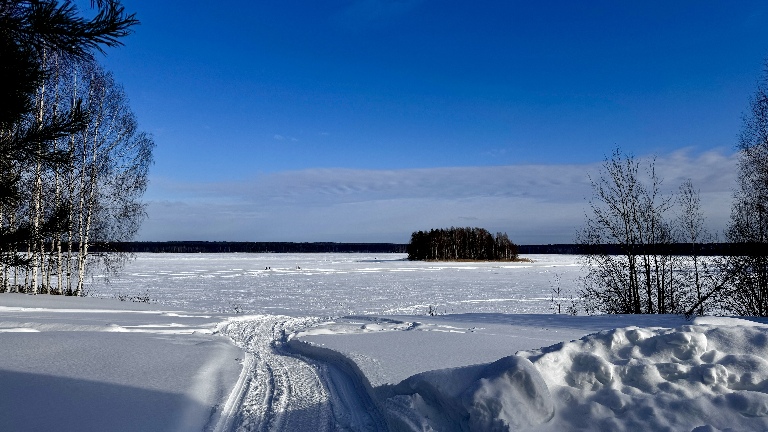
x=48, y=25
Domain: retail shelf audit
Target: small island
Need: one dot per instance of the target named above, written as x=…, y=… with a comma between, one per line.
x=461, y=244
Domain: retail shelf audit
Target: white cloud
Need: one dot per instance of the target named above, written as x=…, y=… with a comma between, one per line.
x=533, y=203
x=279, y=137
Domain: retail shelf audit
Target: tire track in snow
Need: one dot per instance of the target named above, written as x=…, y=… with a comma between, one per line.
x=286, y=392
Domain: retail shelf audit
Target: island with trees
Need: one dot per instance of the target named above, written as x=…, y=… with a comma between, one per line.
x=461, y=244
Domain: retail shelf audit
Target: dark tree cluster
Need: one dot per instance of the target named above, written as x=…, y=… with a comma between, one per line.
x=455, y=244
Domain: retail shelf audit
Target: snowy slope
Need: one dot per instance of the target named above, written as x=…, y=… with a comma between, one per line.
x=72, y=364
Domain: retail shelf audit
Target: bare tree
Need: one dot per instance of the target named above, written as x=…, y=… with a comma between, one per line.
x=626, y=242
x=747, y=290
x=698, y=276
x=112, y=162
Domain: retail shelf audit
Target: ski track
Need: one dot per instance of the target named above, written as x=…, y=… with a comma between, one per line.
x=284, y=391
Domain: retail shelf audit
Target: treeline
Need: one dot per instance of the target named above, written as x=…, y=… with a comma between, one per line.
x=454, y=244
x=73, y=164
x=249, y=247
x=676, y=249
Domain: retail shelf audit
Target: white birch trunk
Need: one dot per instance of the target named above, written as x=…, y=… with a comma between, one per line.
x=36, y=254
x=4, y=287
x=72, y=187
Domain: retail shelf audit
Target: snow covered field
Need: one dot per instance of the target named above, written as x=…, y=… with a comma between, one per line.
x=341, y=284
x=336, y=342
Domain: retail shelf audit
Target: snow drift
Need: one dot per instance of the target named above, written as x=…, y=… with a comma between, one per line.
x=508, y=394
x=660, y=379
x=702, y=377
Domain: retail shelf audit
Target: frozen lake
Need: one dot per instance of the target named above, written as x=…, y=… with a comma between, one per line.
x=343, y=284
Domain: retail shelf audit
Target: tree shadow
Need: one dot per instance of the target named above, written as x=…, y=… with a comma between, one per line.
x=591, y=323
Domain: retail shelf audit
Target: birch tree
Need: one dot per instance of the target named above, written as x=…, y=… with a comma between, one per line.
x=626, y=241
x=114, y=158
x=32, y=33
x=699, y=276
x=746, y=292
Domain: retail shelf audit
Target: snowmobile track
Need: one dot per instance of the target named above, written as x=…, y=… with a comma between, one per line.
x=283, y=391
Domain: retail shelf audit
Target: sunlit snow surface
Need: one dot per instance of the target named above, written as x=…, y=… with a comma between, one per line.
x=343, y=284
x=331, y=342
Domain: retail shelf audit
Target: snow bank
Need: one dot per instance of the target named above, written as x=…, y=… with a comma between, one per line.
x=711, y=375
x=659, y=379
x=508, y=394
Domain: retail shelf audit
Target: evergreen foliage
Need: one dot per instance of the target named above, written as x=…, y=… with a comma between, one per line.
x=454, y=244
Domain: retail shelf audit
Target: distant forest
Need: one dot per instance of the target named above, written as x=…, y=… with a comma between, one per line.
x=711, y=249
x=250, y=247
x=676, y=249
x=455, y=244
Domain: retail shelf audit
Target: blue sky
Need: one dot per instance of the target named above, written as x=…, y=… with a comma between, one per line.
x=363, y=120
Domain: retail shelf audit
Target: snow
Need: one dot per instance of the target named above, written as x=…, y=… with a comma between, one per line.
x=335, y=342
x=506, y=394
x=449, y=341
x=651, y=378
x=340, y=284
x=92, y=364
x=659, y=378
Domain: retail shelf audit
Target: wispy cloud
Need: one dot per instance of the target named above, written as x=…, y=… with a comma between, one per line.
x=533, y=203
x=279, y=137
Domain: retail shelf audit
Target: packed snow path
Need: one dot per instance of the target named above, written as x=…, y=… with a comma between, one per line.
x=283, y=391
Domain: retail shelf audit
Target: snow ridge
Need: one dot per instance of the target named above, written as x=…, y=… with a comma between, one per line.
x=680, y=379
x=508, y=394
x=228, y=412
x=353, y=399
